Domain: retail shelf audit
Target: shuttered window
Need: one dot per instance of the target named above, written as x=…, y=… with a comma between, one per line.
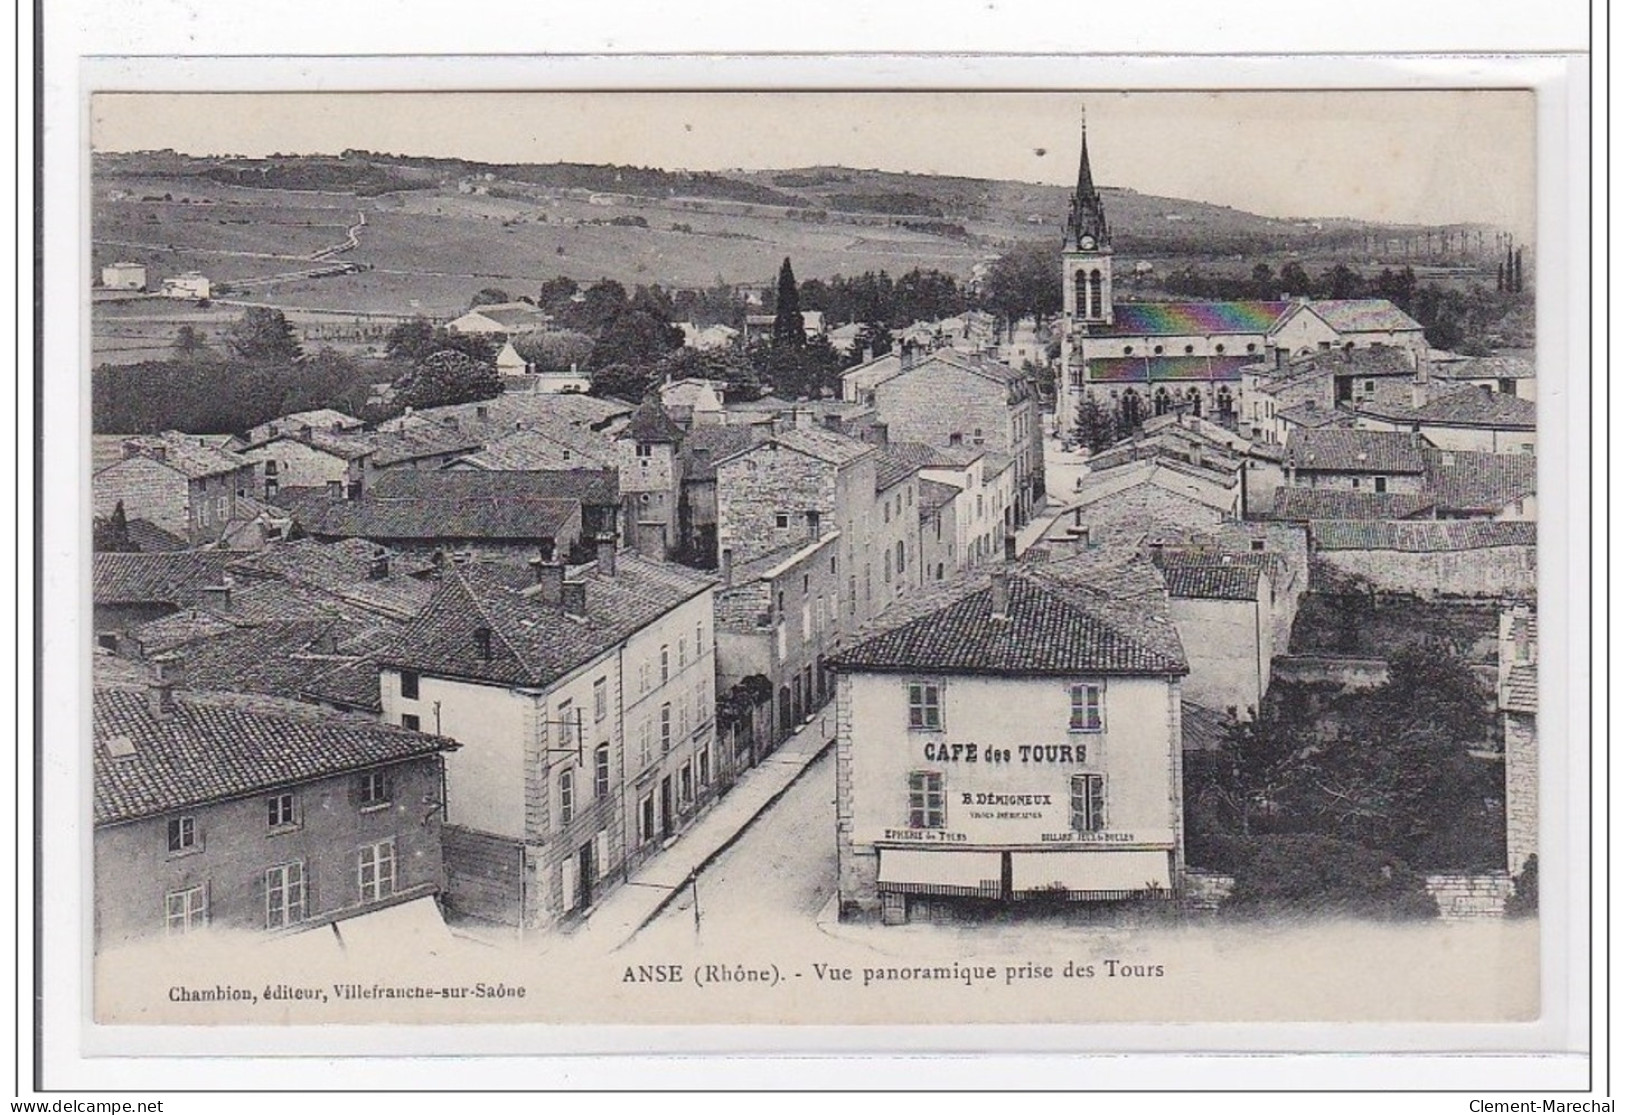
x=927, y=805
x=1088, y=802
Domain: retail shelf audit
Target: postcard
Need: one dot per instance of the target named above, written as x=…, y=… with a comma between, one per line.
x=838, y=558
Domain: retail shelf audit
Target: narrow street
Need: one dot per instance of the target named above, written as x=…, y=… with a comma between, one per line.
x=783, y=867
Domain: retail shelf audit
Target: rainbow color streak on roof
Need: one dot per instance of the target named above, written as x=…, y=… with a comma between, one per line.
x=1191, y=319
x=1160, y=369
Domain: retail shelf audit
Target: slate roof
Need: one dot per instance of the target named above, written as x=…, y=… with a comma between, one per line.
x=1069, y=617
x=1347, y=450
x=1420, y=537
x=1212, y=582
x=1304, y=504
x=165, y=578
x=1477, y=483
x=1188, y=319
x=1362, y=315
x=422, y=519
x=208, y=751
x=534, y=643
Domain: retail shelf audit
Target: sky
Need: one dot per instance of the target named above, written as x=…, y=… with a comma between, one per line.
x=1422, y=157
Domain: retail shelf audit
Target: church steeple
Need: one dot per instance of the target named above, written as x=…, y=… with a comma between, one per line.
x=1086, y=227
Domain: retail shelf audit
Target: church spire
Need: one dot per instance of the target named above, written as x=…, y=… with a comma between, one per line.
x=1086, y=219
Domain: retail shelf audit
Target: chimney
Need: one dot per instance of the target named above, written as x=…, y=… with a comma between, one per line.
x=482, y=412
x=545, y=548
x=379, y=569
x=219, y=595
x=725, y=566
x=868, y=353
x=275, y=430
x=575, y=598
x=1000, y=583
x=550, y=578
x=335, y=489
x=1156, y=554
x=1280, y=357
x=606, y=555
x=168, y=673
x=160, y=453
x=1009, y=547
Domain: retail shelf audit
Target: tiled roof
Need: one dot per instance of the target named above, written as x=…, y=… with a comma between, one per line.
x=424, y=519
x=1484, y=483
x=651, y=423
x=207, y=751
x=1363, y=315
x=824, y=445
x=165, y=578
x=188, y=454
x=512, y=316
x=344, y=569
x=1420, y=537
x=1478, y=406
x=594, y=486
x=150, y=538
x=349, y=447
x=935, y=495
x=1342, y=450
x=1312, y=416
x=323, y=418
x=277, y=658
x=893, y=468
x=1202, y=728
x=1212, y=582
x=707, y=443
x=534, y=643
x=1522, y=690
x=1303, y=504
x=410, y=443
x=1191, y=319
x=790, y=554
x=1064, y=618
x=553, y=447
x=353, y=684
x=185, y=626
x=1486, y=367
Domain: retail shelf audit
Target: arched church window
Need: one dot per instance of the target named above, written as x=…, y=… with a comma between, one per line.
x=1132, y=409
x=1195, y=397
x=1160, y=402
x=1226, y=403
x=1097, y=301
x=1080, y=293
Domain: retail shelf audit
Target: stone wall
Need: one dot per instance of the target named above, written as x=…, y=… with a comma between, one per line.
x=755, y=488
x=1469, y=897
x=1203, y=891
x=858, y=873
x=1492, y=571
x=1522, y=789
x=1351, y=673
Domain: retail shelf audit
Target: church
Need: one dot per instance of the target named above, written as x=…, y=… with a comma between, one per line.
x=1143, y=359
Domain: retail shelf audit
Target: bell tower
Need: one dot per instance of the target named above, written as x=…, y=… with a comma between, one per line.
x=1087, y=250
x=1086, y=284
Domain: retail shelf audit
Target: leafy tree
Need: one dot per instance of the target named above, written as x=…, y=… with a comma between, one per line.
x=874, y=339
x=490, y=296
x=789, y=328
x=555, y=294
x=1095, y=428
x=449, y=377
x=1341, y=281
x=190, y=343
x=634, y=336
x=725, y=366
x=601, y=303
x=1263, y=280
x=263, y=335
x=554, y=349
x=1525, y=899
x=1025, y=282
x=1295, y=280
x=623, y=381
x=417, y=340
x=112, y=534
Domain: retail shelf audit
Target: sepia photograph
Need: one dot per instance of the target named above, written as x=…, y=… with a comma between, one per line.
x=802, y=558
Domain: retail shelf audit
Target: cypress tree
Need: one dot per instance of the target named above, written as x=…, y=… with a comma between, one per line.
x=788, y=326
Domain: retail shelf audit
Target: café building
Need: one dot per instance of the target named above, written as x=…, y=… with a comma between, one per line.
x=1013, y=737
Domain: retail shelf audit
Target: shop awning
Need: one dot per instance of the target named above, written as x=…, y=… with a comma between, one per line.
x=415, y=925
x=911, y=871
x=1089, y=875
